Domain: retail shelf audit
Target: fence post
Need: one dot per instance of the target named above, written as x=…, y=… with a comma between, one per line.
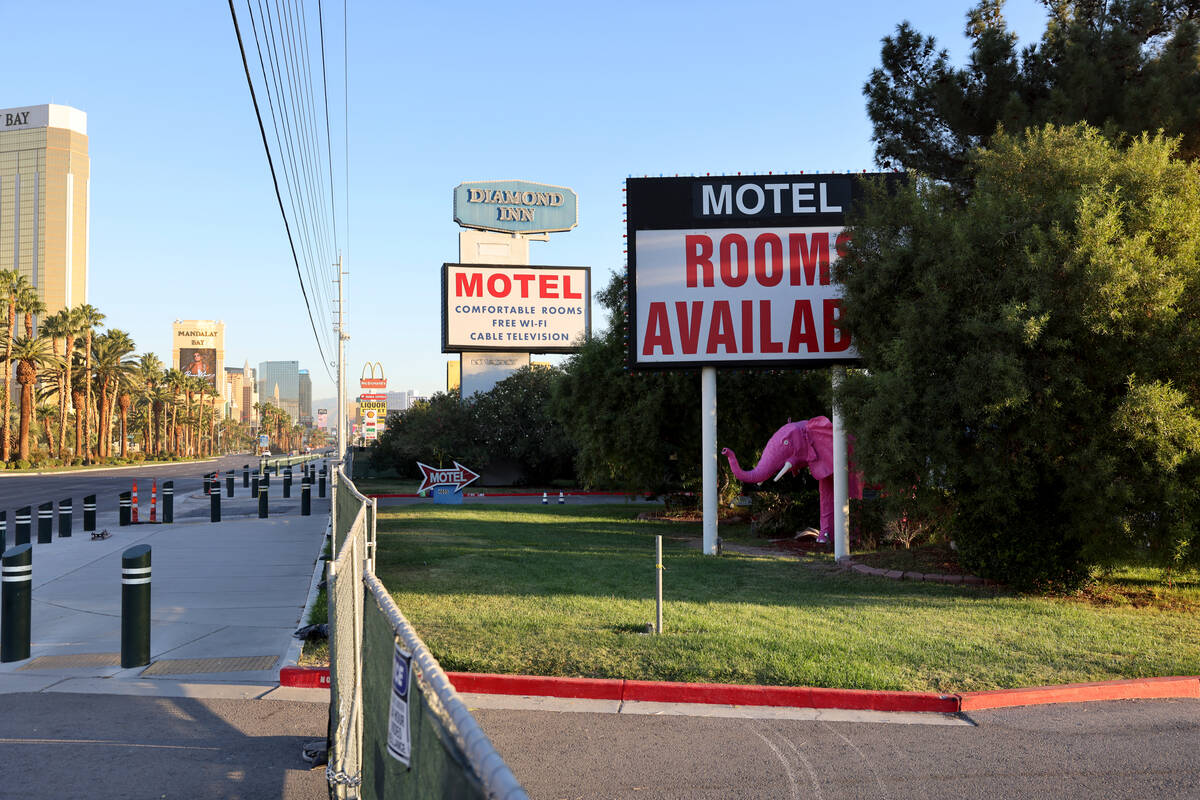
x=214, y=504
x=229, y=484
x=123, y=520
x=245, y=476
x=46, y=523
x=135, y=606
x=64, y=518
x=168, y=502
x=89, y=513
x=305, y=498
x=16, y=573
x=262, y=503
x=24, y=525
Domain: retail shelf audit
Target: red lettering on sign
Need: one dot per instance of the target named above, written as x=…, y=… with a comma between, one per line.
x=804, y=328
x=720, y=330
x=658, y=331
x=548, y=287
x=747, y=326
x=567, y=293
x=689, y=328
x=468, y=285
x=499, y=285
x=810, y=256
x=729, y=260
x=524, y=280
x=768, y=268
x=699, y=254
x=836, y=339
x=766, y=343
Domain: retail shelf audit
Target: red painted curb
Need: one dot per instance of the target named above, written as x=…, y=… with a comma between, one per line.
x=708, y=693
x=305, y=677
x=788, y=696
x=1133, y=689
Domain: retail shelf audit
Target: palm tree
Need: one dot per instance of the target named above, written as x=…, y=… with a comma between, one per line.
x=88, y=317
x=31, y=355
x=29, y=303
x=45, y=413
x=74, y=327
x=113, y=370
x=57, y=327
x=150, y=370
x=175, y=381
x=12, y=284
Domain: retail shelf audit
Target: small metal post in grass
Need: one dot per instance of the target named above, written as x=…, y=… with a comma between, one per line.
x=658, y=580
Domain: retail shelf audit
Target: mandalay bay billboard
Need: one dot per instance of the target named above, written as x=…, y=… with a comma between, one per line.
x=198, y=348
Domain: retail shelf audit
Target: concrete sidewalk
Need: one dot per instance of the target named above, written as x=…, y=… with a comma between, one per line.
x=226, y=599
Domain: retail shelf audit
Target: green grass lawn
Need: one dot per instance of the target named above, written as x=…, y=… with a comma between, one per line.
x=569, y=590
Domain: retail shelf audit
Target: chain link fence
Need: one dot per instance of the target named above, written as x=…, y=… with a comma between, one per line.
x=398, y=727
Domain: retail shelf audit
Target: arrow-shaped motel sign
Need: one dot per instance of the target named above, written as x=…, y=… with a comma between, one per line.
x=458, y=477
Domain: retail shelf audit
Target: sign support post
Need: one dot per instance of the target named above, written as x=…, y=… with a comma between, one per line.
x=841, y=474
x=708, y=452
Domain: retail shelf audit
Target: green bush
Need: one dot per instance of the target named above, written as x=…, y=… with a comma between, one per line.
x=23, y=464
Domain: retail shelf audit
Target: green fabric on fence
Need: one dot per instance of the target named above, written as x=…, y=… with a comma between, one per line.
x=438, y=767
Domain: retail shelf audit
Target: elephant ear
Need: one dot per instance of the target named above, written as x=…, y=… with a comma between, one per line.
x=819, y=431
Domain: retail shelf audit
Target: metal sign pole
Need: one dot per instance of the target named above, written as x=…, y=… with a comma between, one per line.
x=708, y=455
x=841, y=476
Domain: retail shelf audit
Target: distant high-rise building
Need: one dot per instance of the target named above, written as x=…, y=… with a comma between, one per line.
x=241, y=393
x=305, y=398
x=45, y=182
x=284, y=377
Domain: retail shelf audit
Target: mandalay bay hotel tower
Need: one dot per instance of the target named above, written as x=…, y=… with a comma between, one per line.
x=44, y=188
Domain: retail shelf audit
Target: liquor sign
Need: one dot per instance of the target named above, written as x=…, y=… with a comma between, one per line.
x=515, y=309
x=515, y=207
x=374, y=418
x=736, y=271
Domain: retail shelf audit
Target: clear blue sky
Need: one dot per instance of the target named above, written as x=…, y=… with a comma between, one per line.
x=580, y=94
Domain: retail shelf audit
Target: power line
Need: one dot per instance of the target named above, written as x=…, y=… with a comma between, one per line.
x=275, y=182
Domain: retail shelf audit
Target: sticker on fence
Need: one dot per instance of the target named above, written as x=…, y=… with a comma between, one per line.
x=399, y=741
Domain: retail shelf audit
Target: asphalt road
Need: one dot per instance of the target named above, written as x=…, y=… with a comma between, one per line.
x=1122, y=749
x=107, y=484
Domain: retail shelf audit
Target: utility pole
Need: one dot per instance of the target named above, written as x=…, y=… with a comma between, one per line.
x=340, y=329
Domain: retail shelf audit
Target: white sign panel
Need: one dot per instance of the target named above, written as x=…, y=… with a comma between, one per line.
x=399, y=740
x=738, y=295
x=515, y=308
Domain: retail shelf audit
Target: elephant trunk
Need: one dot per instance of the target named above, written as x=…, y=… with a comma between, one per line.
x=761, y=472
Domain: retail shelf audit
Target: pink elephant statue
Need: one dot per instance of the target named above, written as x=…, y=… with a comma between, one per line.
x=808, y=443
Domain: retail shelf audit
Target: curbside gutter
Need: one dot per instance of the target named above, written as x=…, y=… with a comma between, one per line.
x=791, y=696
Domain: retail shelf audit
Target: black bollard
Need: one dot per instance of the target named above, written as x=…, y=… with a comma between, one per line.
x=3, y=531
x=262, y=504
x=16, y=602
x=305, y=498
x=64, y=518
x=207, y=484
x=214, y=505
x=321, y=484
x=254, y=487
x=266, y=479
x=46, y=523
x=89, y=513
x=126, y=506
x=168, y=502
x=135, y=606
x=229, y=484
x=23, y=530
x=287, y=483
x=245, y=476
